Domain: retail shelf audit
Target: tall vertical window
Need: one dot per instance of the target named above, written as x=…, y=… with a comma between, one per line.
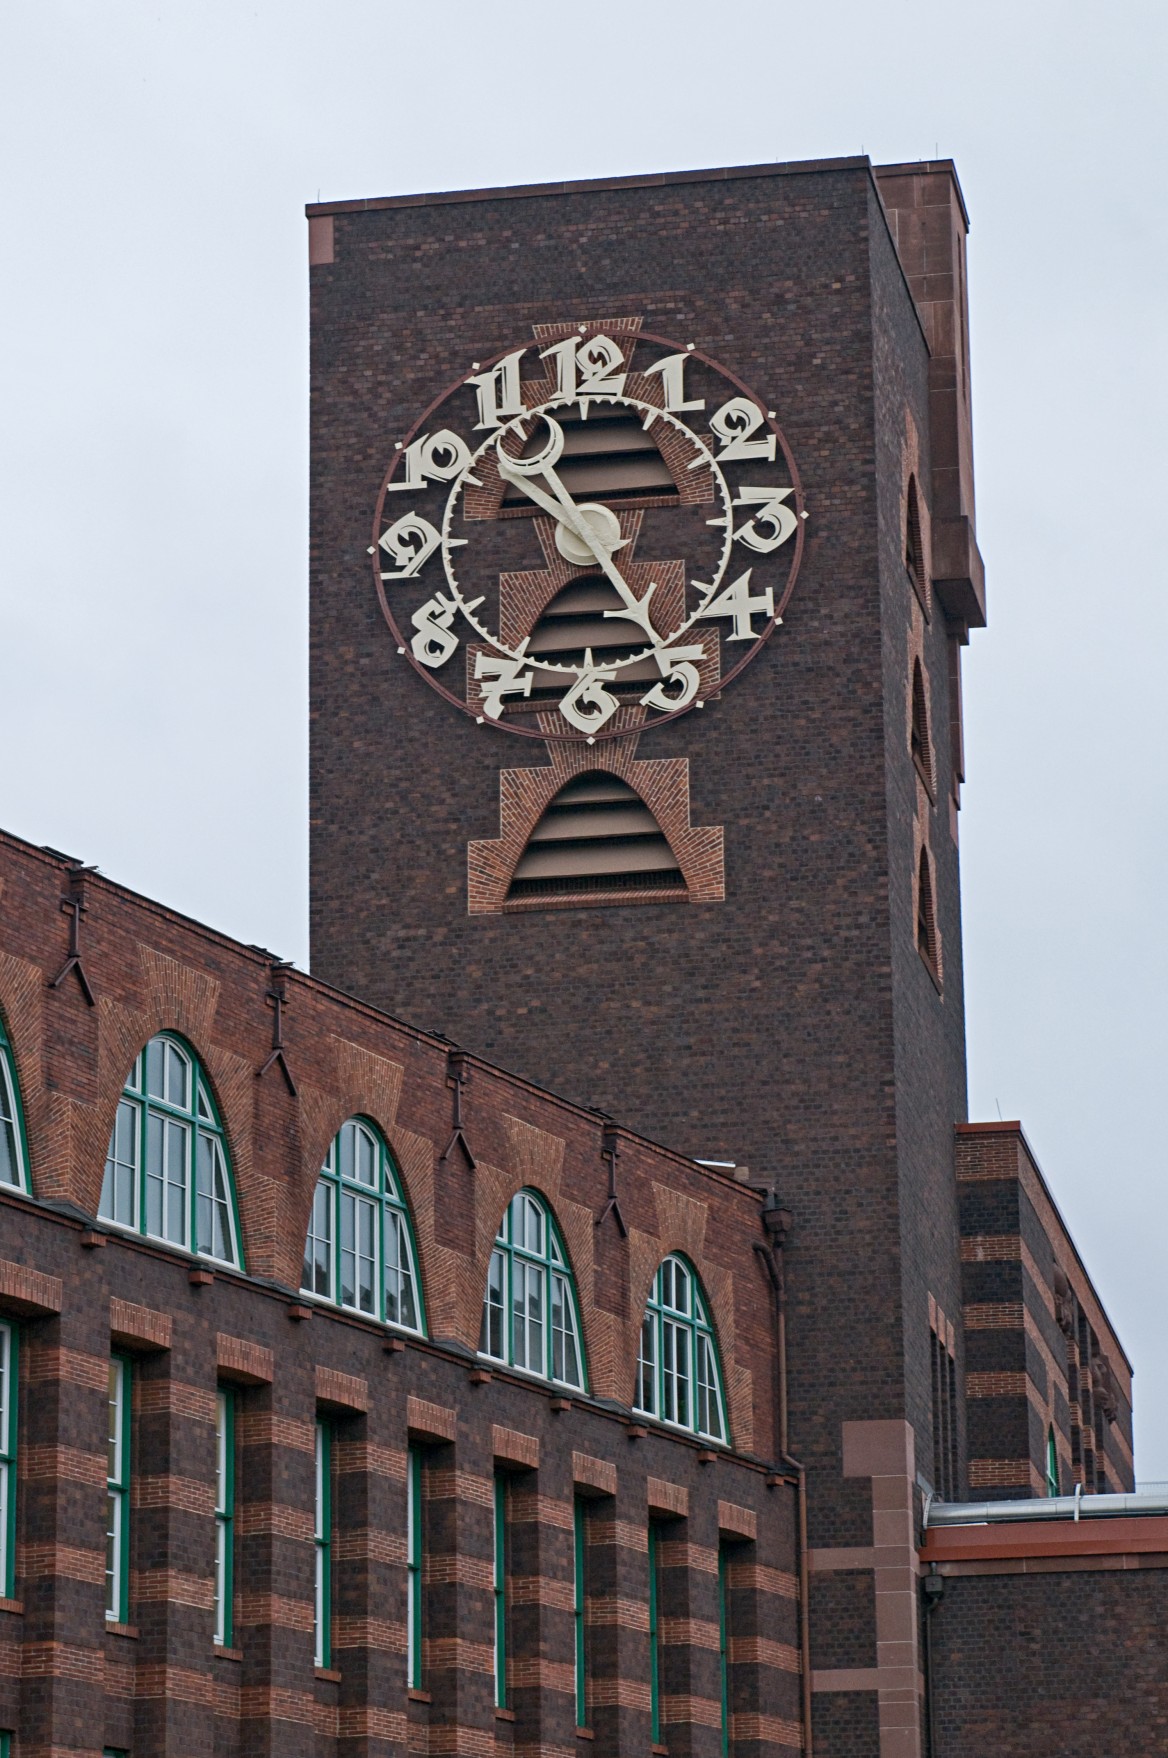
x=1052, y=1465
x=323, y=1533
x=166, y=1172
x=13, y=1158
x=8, y=1410
x=359, y=1252
x=579, y=1606
x=724, y=1649
x=224, y=1515
x=678, y=1377
x=530, y=1318
x=654, y=1636
x=117, y=1532
x=499, y=1586
x=414, y=1541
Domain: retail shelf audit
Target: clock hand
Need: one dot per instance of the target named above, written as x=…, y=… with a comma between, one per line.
x=563, y=508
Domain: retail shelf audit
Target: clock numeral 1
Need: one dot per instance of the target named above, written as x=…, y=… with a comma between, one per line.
x=672, y=370
x=735, y=601
x=435, y=457
x=735, y=423
x=781, y=519
x=586, y=369
x=498, y=391
x=677, y=668
x=410, y=541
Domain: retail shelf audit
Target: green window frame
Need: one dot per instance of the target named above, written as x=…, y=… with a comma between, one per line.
x=1052, y=1467
x=531, y=1318
x=167, y=1171
x=224, y=1516
x=323, y=1535
x=580, y=1606
x=13, y=1137
x=117, y=1539
x=414, y=1556
x=724, y=1650
x=9, y=1412
x=654, y=1638
x=359, y=1252
x=499, y=1588
x=679, y=1374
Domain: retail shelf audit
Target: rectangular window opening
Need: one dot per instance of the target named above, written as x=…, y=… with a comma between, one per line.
x=499, y=1581
x=415, y=1552
x=117, y=1542
x=580, y=1606
x=323, y=1532
x=224, y=1516
x=654, y=1632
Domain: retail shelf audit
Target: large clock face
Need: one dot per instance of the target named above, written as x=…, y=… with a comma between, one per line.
x=596, y=522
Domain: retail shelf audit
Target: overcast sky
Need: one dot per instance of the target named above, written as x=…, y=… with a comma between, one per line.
x=156, y=162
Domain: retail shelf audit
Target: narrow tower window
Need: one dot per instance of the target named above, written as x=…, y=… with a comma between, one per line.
x=224, y=1515
x=323, y=1533
x=926, y=915
x=8, y=1408
x=596, y=835
x=117, y=1538
x=920, y=743
x=914, y=549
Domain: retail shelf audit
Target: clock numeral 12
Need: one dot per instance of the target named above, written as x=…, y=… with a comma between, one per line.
x=587, y=369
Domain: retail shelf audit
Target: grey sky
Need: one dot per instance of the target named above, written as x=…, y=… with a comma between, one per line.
x=156, y=161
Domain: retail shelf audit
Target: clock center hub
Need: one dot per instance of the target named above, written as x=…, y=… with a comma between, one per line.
x=601, y=522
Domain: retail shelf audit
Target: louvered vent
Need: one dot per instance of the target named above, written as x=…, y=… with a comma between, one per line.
x=574, y=621
x=607, y=457
x=596, y=835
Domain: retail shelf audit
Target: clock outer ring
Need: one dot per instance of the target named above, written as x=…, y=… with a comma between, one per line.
x=581, y=738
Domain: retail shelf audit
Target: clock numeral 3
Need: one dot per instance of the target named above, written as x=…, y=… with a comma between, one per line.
x=781, y=519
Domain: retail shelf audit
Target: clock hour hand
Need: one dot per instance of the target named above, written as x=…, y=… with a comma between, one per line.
x=560, y=505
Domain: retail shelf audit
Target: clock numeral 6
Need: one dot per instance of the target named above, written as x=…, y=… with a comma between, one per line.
x=588, y=705
x=735, y=601
x=677, y=668
x=781, y=519
x=734, y=423
x=410, y=541
x=437, y=457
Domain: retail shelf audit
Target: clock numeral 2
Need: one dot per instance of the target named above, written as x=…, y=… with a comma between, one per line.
x=735, y=423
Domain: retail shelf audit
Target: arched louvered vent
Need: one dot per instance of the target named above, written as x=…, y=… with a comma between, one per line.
x=914, y=547
x=596, y=835
x=926, y=916
x=576, y=620
x=920, y=743
x=608, y=457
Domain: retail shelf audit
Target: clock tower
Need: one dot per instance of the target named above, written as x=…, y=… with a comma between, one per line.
x=642, y=557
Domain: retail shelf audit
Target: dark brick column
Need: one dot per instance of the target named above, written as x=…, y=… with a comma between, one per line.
x=459, y=1645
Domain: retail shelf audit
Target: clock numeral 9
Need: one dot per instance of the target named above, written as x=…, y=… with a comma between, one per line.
x=437, y=457
x=735, y=601
x=734, y=424
x=410, y=541
x=781, y=519
x=587, y=369
x=676, y=667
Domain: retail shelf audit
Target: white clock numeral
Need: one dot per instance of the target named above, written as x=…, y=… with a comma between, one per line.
x=410, y=541
x=735, y=601
x=435, y=457
x=501, y=676
x=498, y=391
x=676, y=667
x=588, y=704
x=586, y=369
x=781, y=519
x=435, y=641
x=734, y=423
x=672, y=370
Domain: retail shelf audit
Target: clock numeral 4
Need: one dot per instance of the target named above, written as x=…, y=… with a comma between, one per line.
x=781, y=519
x=735, y=424
x=436, y=457
x=410, y=541
x=498, y=391
x=677, y=668
x=587, y=369
x=736, y=602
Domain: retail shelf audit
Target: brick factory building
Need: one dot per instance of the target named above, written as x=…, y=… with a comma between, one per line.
x=361, y=1397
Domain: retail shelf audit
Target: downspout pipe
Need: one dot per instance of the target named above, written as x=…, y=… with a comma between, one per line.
x=777, y=1219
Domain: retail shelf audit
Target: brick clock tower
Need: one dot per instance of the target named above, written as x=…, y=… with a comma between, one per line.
x=642, y=557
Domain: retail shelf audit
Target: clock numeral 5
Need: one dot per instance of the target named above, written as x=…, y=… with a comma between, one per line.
x=435, y=457
x=498, y=392
x=676, y=667
x=410, y=541
x=734, y=423
x=781, y=519
x=587, y=369
x=735, y=601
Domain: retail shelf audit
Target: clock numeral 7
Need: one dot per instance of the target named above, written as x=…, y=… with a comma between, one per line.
x=501, y=676
x=410, y=541
x=735, y=423
x=735, y=601
x=781, y=519
x=587, y=369
x=435, y=457
x=676, y=667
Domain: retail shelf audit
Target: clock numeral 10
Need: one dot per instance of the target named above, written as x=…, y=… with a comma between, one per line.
x=436, y=457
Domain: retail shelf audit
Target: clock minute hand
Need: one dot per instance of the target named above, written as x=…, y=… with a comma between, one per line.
x=560, y=505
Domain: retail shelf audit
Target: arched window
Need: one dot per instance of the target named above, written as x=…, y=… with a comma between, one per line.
x=360, y=1247
x=914, y=548
x=530, y=1319
x=678, y=1377
x=920, y=744
x=13, y=1158
x=926, y=915
x=166, y=1173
